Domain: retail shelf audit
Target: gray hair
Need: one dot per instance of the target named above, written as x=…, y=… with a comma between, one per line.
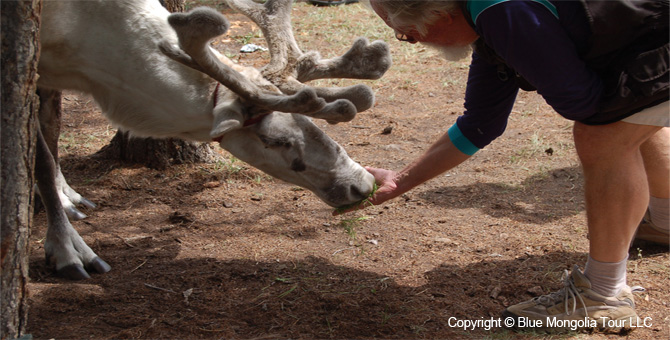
x=415, y=14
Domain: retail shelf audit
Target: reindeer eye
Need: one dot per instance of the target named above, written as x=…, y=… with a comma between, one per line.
x=298, y=165
x=271, y=142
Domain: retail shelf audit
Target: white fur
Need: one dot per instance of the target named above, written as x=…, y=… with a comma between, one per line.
x=109, y=49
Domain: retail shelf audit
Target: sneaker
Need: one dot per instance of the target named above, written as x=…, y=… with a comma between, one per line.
x=649, y=232
x=575, y=307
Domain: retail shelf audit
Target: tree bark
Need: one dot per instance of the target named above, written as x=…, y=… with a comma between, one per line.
x=173, y=5
x=20, y=52
x=157, y=153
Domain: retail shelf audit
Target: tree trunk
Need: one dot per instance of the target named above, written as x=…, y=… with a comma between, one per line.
x=20, y=52
x=173, y=5
x=157, y=153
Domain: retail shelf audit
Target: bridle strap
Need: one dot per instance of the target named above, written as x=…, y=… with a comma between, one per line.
x=248, y=122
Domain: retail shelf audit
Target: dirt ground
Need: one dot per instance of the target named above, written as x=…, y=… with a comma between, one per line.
x=222, y=251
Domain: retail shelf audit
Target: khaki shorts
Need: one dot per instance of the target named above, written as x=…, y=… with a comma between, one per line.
x=658, y=115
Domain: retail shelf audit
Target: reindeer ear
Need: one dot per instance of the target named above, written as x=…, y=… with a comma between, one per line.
x=224, y=127
x=227, y=117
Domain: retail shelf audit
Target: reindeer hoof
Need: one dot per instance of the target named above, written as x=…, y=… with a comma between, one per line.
x=99, y=266
x=74, y=272
x=87, y=203
x=77, y=272
x=74, y=214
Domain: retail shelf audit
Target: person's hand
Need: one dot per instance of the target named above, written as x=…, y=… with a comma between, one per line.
x=386, y=185
x=386, y=190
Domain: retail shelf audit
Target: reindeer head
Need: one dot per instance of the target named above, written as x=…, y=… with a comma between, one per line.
x=292, y=148
x=260, y=116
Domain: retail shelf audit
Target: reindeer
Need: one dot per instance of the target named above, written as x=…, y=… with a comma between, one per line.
x=154, y=74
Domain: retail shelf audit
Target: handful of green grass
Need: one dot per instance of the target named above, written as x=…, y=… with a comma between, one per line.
x=363, y=202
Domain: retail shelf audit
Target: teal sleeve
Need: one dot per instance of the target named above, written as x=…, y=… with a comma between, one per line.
x=461, y=142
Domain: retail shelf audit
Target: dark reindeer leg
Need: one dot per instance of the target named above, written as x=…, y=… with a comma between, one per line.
x=64, y=248
x=49, y=117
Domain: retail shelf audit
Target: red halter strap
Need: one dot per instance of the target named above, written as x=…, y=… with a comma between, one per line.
x=248, y=122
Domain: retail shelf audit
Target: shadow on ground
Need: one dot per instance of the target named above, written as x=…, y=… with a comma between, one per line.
x=308, y=298
x=541, y=198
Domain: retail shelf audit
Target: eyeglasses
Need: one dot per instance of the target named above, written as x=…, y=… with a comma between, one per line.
x=404, y=37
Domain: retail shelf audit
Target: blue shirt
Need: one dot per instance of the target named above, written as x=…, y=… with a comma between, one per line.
x=542, y=48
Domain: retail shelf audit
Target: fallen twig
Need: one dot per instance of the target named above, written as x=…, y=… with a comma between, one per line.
x=159, y=288
x=337, y=251
x=138, y=267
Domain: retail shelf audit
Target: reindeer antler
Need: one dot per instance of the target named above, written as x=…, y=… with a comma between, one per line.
x=196, y=28
x=289, y=67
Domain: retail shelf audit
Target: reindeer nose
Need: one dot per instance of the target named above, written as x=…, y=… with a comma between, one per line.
x=356, y=193
x=363, y=189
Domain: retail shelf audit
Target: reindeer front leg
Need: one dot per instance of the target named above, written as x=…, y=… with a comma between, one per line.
x=49, y=117
x=64, y=247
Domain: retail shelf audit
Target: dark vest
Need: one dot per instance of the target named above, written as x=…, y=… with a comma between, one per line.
x=629, y=49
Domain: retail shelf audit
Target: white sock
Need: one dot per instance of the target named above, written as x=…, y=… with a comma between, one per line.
x=607, y=278
x=659, y=211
